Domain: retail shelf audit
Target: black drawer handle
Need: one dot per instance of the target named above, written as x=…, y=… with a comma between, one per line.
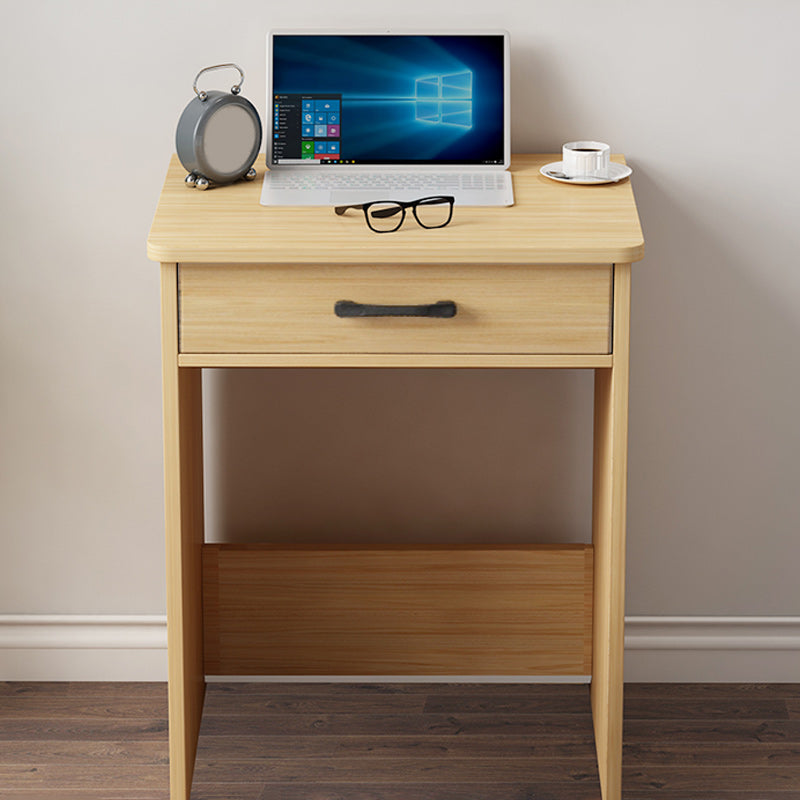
x=347, y=308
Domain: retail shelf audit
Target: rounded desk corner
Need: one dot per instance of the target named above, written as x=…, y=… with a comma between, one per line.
x=158, y=254
x=637, y=252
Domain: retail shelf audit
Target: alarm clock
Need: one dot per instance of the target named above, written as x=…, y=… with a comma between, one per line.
x=218, y=135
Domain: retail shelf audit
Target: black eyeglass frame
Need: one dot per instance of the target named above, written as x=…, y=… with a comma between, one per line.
x=401, y=207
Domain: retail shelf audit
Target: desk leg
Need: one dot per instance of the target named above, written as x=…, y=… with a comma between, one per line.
x=183, y=501
x=608, y=534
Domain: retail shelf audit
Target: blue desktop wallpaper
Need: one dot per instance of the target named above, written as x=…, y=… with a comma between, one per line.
x=405, y=99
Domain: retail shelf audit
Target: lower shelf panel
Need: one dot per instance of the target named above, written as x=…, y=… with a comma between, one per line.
x=397, y=610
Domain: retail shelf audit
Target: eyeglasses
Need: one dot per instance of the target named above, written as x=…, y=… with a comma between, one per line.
x=386, y=216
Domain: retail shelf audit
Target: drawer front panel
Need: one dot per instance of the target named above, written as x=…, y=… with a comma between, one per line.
x=254, y=308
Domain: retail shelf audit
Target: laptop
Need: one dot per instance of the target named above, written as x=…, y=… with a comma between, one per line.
x=353, y=118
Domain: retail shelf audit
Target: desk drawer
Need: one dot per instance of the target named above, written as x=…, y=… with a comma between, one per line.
x=283, y=308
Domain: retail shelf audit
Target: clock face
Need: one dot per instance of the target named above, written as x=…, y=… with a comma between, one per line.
x=228, y=138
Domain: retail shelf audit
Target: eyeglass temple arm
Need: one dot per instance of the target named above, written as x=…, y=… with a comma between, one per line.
x=378, y=212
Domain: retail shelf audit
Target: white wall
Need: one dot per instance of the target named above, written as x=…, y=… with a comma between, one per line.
x=697, y=94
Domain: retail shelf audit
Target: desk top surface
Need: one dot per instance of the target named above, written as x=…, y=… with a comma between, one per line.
x=550, y=223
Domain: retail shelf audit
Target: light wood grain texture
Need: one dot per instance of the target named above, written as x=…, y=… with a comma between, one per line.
x=285, y=308
x=183, y=502
x=396, y=360
x=518, y=610
x=610, y=482
x=309, y=611
x=550, y=223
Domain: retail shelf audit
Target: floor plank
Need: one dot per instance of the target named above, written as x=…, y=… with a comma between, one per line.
x=37, y=751
x=87, y=775
x=43, y=706
x=534, y=725
x=712, y=754
x=718, y=708
x=717, y=731
x=92, y=689
x=701, y=691
x=355, y=688
x=409, y=770
x=259, y=748
x=476, y=702
x=47, y=792
x=217, y=704
x=711, y=779
x=60, y=741
x=81, y=729
x=360, y=791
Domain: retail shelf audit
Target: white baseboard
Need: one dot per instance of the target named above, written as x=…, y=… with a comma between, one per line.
x=712, y=649
x=134, y=648
x=69, y=647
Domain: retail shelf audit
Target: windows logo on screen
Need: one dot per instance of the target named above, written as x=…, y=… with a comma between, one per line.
x=445, y=99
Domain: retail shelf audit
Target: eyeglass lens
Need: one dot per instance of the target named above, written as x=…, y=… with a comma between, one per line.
x=433, y=212
x=385, y=217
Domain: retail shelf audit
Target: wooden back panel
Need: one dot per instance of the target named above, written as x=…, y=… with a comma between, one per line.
x=398, y=610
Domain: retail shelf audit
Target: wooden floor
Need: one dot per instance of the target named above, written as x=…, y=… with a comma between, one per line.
x=400, y=742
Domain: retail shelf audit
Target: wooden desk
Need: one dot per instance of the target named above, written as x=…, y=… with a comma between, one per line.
x=545, y=283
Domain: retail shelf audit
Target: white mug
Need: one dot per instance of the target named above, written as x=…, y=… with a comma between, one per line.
x=585, y=159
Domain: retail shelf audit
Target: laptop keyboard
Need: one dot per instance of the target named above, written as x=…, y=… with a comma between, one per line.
x=430, y=182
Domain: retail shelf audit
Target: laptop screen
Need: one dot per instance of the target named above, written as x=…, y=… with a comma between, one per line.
x=388, y=99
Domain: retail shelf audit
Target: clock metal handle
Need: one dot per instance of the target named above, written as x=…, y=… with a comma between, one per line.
x=234, y=89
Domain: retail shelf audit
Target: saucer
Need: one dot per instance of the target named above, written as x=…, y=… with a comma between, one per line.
x=616, y=172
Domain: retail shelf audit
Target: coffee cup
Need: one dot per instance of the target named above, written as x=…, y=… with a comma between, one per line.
x=585, y=159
